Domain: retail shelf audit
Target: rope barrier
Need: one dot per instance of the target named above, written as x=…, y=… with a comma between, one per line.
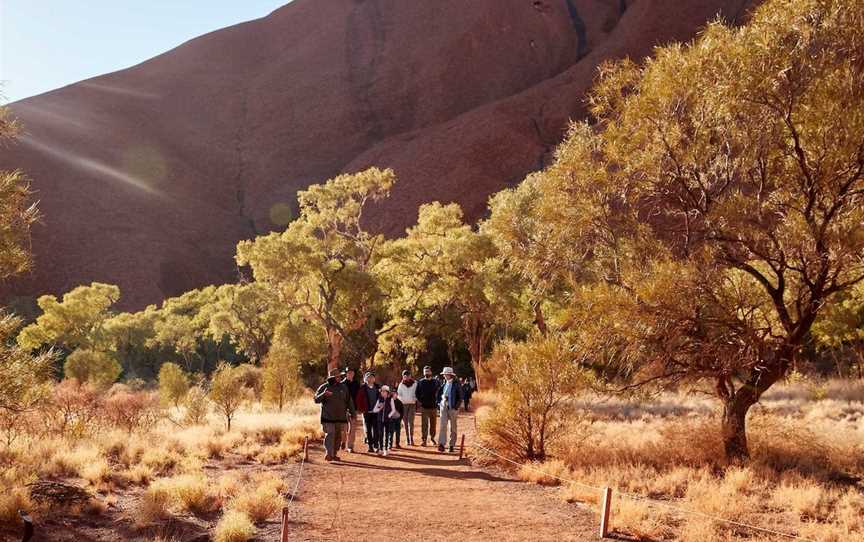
x=285, y=509
x=647, y=499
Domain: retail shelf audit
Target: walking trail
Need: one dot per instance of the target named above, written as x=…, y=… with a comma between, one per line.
x=417, y=493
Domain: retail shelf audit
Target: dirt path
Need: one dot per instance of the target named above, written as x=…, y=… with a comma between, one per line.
x=419, y=494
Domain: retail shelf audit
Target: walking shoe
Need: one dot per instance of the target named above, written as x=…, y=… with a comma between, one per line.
x=350, y=450
x=440, y=448
x=371, y=451
x=433, y=441
x=423, y=443
x=337, y=458
x=452, y=449
x=385, y=452
x=328, y=457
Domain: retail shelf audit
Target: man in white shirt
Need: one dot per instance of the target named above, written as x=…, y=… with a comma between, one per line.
x=407, y=393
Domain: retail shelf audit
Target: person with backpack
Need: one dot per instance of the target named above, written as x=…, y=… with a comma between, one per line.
x=427, y=396
x=407, y=393
x=449, y=398
x=336, y=405
x=365, y=401
x=389, y=410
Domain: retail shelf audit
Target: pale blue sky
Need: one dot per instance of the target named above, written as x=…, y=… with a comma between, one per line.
x=46, y=44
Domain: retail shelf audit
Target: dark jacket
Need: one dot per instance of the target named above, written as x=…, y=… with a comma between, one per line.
x=361, y=399
x=387, y=406
x=467, y=391
x=353, y=386
x=334, y=408
x=455, y=397
x=427, y=392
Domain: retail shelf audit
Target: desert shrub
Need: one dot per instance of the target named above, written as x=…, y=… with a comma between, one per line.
x=13, y=499
x=547, y=473
x=74, y=408
x=189, y=492
x=234, y=526
x=260, y=501
x=536, y=379
x=227, y=392
x=173, y=384
x=96, y=368
x=197, y=406
x=132, y=410
x=155, y=504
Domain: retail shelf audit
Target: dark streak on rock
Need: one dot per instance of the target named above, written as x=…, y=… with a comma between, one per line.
x=579, y=26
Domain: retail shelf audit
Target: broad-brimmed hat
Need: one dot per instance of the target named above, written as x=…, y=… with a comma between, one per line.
x=385, y=387
x=448, y=371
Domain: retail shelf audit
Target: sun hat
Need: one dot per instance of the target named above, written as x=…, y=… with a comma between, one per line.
x=448, y=371
x=385, y=387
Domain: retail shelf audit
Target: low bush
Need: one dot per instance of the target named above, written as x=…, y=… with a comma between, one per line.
x=234, y=526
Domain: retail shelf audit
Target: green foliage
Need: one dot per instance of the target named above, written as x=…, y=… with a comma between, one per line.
x=227, y=391
x=91, y=367
x=17, y=211
x=76, y=321
x=247, y=314
x=320, y=266
x=25, y=380
x=706, y=225
x=446, y=279
x=173, y=384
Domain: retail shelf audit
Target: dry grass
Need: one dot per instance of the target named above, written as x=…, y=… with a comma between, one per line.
x=807, y=449
x=167, y=462
x=234, y=526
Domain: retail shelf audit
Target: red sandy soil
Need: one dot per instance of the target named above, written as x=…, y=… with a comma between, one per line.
x=419, y=494
x=149, y=176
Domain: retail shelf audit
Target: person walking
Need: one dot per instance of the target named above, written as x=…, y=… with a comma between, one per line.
x=467, y=392
x=449, y=397
x=407, y=393
x=365, y=400
x=336, y=405
x=351, y=429
x=389, y=410
x=427, y=395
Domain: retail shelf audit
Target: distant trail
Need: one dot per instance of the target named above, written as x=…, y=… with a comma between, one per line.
x=418, y=494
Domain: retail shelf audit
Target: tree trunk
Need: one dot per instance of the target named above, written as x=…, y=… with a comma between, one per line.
x=335, y=347
x=734, y=427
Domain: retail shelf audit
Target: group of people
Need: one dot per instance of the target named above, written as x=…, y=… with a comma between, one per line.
x=386, y=410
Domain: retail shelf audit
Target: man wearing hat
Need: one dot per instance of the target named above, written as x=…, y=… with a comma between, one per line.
x=335, y=404
x=449, y=398
x=427, y=396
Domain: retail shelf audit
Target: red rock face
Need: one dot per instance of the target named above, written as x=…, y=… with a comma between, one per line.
x=149, y=176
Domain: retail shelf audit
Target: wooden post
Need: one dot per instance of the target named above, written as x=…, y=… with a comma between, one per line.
x=462, y=448
x=306, y=448
x=605, y=509
x=28, y=526
x=284, y=537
